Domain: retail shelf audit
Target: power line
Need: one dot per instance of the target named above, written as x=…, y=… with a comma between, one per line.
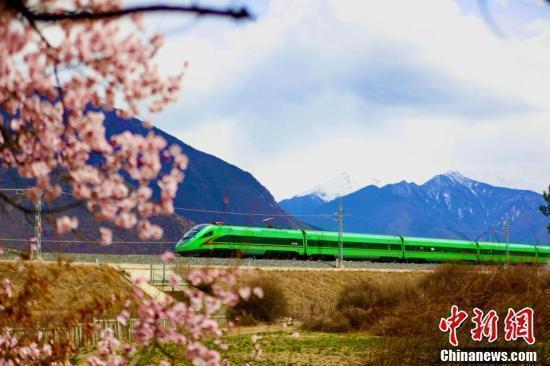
x=418, y=226
x=92, y=241
x=249, y=213
x=322, y=215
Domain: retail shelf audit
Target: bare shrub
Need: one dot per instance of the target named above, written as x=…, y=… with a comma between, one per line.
x=407, y=307
x=336, y=323
x=495, y=287
x=360, y=305
x=269, y=308
x=372, y=295
x=491, y=287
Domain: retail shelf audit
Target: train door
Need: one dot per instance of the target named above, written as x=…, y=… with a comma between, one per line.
x=304, y=238
x=234, y=248
x=314, y=244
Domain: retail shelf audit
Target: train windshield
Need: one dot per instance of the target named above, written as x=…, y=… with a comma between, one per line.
x=194, y=230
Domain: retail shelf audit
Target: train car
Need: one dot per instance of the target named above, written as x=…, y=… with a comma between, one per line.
x=439, y=250
x=322, y=244
x=247, y=241
x=224, y=240
x=543, y=254
x=497, y=252
x=369, y=246
x=280, y=243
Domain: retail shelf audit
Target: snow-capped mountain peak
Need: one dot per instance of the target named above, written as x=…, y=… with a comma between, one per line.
x=458, y=178
x=340, y=185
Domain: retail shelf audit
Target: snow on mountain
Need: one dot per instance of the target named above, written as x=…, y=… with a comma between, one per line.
x=458, y=178
x=317, y=196
x=339, y=185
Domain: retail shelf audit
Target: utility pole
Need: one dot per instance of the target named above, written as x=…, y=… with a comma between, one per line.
x=507, y=238
x=38, y=227
x=36, y=253
x=340, y=216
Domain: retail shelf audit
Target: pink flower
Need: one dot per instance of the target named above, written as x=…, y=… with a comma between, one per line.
x=258, y=291
x=195, y=277
x=139, y=280
x=167, y=256
x=174, y=280
x=32, y=246
x=147, y=123
x=66, y=224
x=123, y=317
x=106, y=236
x=295, y=335
x=244, y=292
x=6, y=284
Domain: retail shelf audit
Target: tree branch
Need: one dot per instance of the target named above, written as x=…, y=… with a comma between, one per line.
x=233, y=13
x=32, y=22
x=45, y=211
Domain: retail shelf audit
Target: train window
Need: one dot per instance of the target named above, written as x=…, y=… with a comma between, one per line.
x=208, y=234
x=193, y=231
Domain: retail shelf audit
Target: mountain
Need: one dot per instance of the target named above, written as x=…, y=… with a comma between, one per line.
x=340, y=185
x=447, y=206
x=315, y=197
x=213, y=190
x=226, y=192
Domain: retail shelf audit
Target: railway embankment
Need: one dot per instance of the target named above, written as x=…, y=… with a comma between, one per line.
x=243, y=262
x=64, y=293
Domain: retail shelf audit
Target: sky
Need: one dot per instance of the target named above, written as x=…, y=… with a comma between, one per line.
x=382, y=90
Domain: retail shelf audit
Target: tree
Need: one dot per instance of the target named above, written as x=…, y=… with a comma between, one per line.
x=63, y=65
x=545, y=209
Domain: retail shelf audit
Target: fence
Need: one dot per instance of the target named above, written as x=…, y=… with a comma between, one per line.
x=89, y=334
x=157, y=275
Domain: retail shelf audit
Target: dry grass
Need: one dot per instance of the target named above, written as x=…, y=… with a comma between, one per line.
x=497, y=288
x=61, y=294
x=314, y=292
x=269, y=308
x=406, y=311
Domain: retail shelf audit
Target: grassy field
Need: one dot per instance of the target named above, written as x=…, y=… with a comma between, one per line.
x=279, y=347
x=310, y=348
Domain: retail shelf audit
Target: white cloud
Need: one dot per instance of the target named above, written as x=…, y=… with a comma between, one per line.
x=219, y=138
x=382, y=89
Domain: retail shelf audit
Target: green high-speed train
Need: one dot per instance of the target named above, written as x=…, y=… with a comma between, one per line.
x=224, y=240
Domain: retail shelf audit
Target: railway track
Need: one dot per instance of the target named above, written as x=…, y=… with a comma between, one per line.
x=275, y=264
